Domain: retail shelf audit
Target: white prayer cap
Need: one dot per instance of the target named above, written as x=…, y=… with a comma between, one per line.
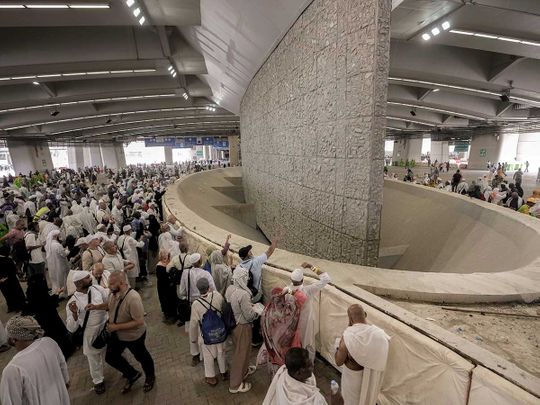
x=79, y=275
x=80, y=241
x=126, y=228
x=194, y=258
x=297, y=275
x=90, y=238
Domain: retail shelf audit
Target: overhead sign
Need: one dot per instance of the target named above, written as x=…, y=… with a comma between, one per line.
x=483, y=153
x=187, y=142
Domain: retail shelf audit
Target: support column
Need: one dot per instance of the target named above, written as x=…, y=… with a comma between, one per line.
x=234, y=150
x=92, y=156
x=108, y=154
x=120, y=154
x=414, y=150
x=439, y=151
x=30, y=156
x=484, y=148
x=168, y=155
x=75, y=157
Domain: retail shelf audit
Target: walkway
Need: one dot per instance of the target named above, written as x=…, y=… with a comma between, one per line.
x=177, y=382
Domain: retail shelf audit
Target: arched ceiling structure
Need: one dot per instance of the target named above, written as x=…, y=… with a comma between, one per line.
x=87, y=70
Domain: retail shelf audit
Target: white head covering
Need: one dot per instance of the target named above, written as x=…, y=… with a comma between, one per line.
x=194, y=258
x=126, y=228
x=91, y=237
x=79, y=275
x=297, y=275
x=48, y=242
x=80, y=241
x=240, y=278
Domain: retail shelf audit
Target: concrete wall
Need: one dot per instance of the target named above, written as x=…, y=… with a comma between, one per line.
x=30, y=156
x=439, y=151
x=313, y=126
x=484, y=143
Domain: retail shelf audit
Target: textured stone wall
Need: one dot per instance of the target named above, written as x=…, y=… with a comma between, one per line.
x=312, y=127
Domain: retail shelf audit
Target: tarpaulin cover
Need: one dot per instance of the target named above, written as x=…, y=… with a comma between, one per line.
x=491, y=389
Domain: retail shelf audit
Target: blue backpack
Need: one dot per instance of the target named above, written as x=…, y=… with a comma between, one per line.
x=212, y=326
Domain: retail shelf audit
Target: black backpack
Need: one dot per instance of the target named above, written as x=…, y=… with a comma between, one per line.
x=228, y=317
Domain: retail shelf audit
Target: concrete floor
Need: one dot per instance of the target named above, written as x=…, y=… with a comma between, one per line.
x=177, y=382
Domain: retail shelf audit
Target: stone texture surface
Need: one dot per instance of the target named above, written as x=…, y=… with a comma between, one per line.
x=312, y=125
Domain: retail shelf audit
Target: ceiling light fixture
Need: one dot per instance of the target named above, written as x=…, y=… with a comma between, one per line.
x=136, y=12
x=426, y=37
x=435, y=31
x=11, y=6
x=497, y=37
x=130, y=2
x=89, y=6
x=35, y=83
x=436, y=90
x=174, y=74
x=46, y=6
x=445, y=25
x=142, y=20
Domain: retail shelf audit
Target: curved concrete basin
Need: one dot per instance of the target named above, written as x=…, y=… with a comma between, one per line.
x=193, y=200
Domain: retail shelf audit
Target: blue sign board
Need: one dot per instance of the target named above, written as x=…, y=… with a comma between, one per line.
x=187, y=142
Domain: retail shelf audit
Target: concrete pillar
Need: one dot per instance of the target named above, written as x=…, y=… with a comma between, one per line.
x=75, y=157
x=30, y=156
x=407, y=149
x=313, y=149
x=484, y=148
x=92, y=156
x=108, y=154
x=234, y=150
x=120, y=154
x=168, y=155
x=439, y=151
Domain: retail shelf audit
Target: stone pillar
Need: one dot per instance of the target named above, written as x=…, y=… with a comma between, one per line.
x=484, y=148
x=75, y=157
x=233, y=150
x=168, y=155
x=439, y=151
x=400, y=150
x=108, y=153
x=30, y=156
x=313, y=127
x=92, y=156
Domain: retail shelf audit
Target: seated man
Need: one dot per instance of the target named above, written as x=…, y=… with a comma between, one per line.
x=362, y=351
x=294, y=382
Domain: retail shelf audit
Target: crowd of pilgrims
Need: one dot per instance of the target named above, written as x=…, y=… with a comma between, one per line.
x=90, y=239
x=495, y=187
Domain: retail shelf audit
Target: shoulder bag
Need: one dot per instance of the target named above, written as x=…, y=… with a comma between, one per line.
x=104, y=335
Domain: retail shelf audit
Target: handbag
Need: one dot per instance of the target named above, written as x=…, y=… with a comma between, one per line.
x=184, y=305
x=104, y=336
x=77, y=337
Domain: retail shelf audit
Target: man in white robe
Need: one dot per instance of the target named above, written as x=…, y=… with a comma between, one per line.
x=76, y=309
x=57, y=263
x=100, y=276
x=294, y=382
x=128, y=246
x=362, y=351
x=38, y=373
x=306, y=324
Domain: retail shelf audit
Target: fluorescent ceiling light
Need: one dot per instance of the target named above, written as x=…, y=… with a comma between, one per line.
x=23, y=77
x=461, y=32
x=508, y=39
x=170, y=68
x=94, y=6
x=136, y=12
x=143, y=70
x=130, y=2
x=74, y=74
x=46, y=6
x=35, y=83
x=121, y=71
x=426, y=37
x=436, y=90
x=103, y=72
x=142, y=20
x=493, y=36
x=485, y=36
x=51, y=75
x=11, y=6
x=435, y=31
x=174, y=74
x=445, y=25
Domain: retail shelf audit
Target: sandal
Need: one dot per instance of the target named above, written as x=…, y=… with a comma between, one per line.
x=149, y=384
x=250, y=370
x=130, y=383
x=244, y=387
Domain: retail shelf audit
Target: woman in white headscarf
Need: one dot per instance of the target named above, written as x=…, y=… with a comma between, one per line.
x=221, y=273
x=57, y=263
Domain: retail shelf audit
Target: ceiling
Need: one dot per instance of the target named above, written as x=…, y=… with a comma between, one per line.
x=96, y=75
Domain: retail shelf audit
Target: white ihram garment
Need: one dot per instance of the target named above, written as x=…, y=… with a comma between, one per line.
x=57, y=264
x=285, y=390
x=368, y=346
x=129, y=247
x=96, y=320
